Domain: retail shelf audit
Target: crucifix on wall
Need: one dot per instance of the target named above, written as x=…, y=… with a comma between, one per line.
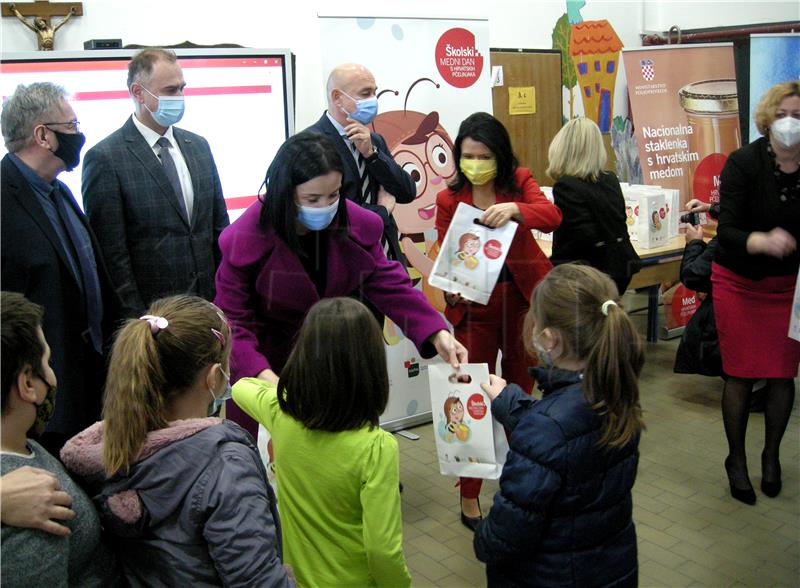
x=42, y=11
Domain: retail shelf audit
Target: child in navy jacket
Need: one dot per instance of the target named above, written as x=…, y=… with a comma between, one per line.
x=563, y=514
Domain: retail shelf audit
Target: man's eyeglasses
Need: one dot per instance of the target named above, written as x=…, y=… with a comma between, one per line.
x=72, y=125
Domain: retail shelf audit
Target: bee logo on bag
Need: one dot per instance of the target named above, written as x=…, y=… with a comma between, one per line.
x=453, y=428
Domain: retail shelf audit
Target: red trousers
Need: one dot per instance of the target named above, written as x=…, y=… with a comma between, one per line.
x=484, y=331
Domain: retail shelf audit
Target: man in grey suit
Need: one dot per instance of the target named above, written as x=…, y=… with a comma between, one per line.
x=153, y=195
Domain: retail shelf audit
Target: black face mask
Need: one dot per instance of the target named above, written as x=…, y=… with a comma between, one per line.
x=45, y=410
x=69, y=148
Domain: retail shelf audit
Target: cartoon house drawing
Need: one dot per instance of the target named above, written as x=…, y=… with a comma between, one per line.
x=594, y=47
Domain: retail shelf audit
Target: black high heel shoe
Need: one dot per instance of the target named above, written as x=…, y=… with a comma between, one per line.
x=746, y=495
x=471, y=523
x=771, y=489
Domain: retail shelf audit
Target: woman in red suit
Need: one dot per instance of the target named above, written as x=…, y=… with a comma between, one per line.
x=489, y=178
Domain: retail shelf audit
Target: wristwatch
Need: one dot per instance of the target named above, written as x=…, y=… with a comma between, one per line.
x=372, y=156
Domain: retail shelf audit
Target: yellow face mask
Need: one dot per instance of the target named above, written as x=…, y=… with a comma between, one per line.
x=479, y=171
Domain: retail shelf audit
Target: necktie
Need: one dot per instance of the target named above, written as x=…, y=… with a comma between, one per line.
x=362, y=172
x=89, y=281
x=172, y=172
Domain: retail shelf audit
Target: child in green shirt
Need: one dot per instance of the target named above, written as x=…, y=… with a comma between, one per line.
x=337, y=470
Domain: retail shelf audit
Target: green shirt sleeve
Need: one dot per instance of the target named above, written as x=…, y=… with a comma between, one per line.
x=382, y=519
x=258, y=398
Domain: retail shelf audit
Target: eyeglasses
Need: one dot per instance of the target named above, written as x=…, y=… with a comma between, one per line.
x=72, y=125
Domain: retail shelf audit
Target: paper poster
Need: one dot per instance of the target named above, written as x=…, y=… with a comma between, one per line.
x=685, y=110
x=497, y=76
x=521, y=100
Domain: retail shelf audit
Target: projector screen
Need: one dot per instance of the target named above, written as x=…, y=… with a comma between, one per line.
x=240, y=100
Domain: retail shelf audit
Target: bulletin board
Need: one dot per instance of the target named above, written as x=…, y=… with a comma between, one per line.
x=531, y=89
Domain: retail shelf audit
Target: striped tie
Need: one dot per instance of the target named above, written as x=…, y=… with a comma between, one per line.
x=362, y=172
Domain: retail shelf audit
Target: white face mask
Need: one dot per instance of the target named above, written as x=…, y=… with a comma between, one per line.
x=786, y=131
x=545, y=356
x=218, y=401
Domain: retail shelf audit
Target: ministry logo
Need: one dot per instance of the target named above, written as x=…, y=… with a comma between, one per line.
x=648, y=69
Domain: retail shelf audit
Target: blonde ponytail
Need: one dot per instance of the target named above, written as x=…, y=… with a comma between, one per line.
x=153, y=361
x=611, y=378
x=133, y=401
x=581, y=303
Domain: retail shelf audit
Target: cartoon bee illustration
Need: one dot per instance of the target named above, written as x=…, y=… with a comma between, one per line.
x=424, y=149
x=469, y=244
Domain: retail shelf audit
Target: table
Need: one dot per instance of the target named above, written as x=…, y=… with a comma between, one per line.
x=659, y=265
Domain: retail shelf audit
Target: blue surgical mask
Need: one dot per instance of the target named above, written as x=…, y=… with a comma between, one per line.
x=366, y=110
x=170, y=109
x=216, y=405
x=316, y=219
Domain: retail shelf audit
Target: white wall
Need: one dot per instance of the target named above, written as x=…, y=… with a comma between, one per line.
x=690, y=14
x=512, y=24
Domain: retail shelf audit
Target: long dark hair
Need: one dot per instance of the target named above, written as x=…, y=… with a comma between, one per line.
x=301, y=158
x=336, y=378
x=486, y=129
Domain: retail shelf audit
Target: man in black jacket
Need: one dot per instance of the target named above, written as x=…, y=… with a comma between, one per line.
x=371, y=177
x=49, y=253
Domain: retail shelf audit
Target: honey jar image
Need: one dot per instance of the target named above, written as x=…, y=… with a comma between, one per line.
x=712, y=110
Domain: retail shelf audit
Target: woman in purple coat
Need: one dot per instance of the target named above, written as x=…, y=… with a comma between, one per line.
x=300, y=243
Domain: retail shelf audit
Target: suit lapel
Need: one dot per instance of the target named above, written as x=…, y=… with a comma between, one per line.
x=287, y=278
x=188, y=150
x=21, y=190
x=144, y=154
x=346, y=154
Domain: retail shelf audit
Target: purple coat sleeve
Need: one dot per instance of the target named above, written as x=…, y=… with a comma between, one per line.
x=235, y=291
x=390, y=289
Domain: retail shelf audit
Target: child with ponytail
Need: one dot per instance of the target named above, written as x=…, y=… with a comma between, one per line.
x=184, y=494
x=562, y=516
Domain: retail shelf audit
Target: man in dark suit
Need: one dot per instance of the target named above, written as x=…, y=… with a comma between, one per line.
x=49, y=253
x=371, y=177
x=153, y=195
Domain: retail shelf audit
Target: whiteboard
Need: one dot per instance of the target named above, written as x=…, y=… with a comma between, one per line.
x=240, y=100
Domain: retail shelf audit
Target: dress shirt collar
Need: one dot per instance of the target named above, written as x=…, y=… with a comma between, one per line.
x=35, y=180
x=151, y=136
x=339, y=128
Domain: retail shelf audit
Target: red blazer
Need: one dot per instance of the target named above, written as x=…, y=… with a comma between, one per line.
x=526, y=261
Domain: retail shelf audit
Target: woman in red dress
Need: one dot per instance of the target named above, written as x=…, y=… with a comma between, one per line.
x=489, y=178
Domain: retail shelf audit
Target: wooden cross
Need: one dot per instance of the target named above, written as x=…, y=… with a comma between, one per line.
x=42, y=11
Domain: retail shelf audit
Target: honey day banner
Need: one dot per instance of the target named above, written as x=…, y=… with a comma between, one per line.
x=685, y=112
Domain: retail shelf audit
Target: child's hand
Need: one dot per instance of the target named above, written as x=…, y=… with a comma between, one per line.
x=494, y=387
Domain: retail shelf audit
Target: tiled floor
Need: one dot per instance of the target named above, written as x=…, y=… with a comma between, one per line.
x=691, y=532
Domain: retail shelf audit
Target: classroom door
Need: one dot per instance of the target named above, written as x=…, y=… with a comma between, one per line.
x=530, y=133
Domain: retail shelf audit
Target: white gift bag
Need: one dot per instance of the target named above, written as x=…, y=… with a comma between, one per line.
x=794, y=321
x=469, y=442
x=472, y=255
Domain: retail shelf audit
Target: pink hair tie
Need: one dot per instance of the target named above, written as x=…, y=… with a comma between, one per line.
x=156, y=322
x=220, y=337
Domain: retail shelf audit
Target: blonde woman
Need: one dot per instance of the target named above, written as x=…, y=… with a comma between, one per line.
x=753, y=277
x=594, y=229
